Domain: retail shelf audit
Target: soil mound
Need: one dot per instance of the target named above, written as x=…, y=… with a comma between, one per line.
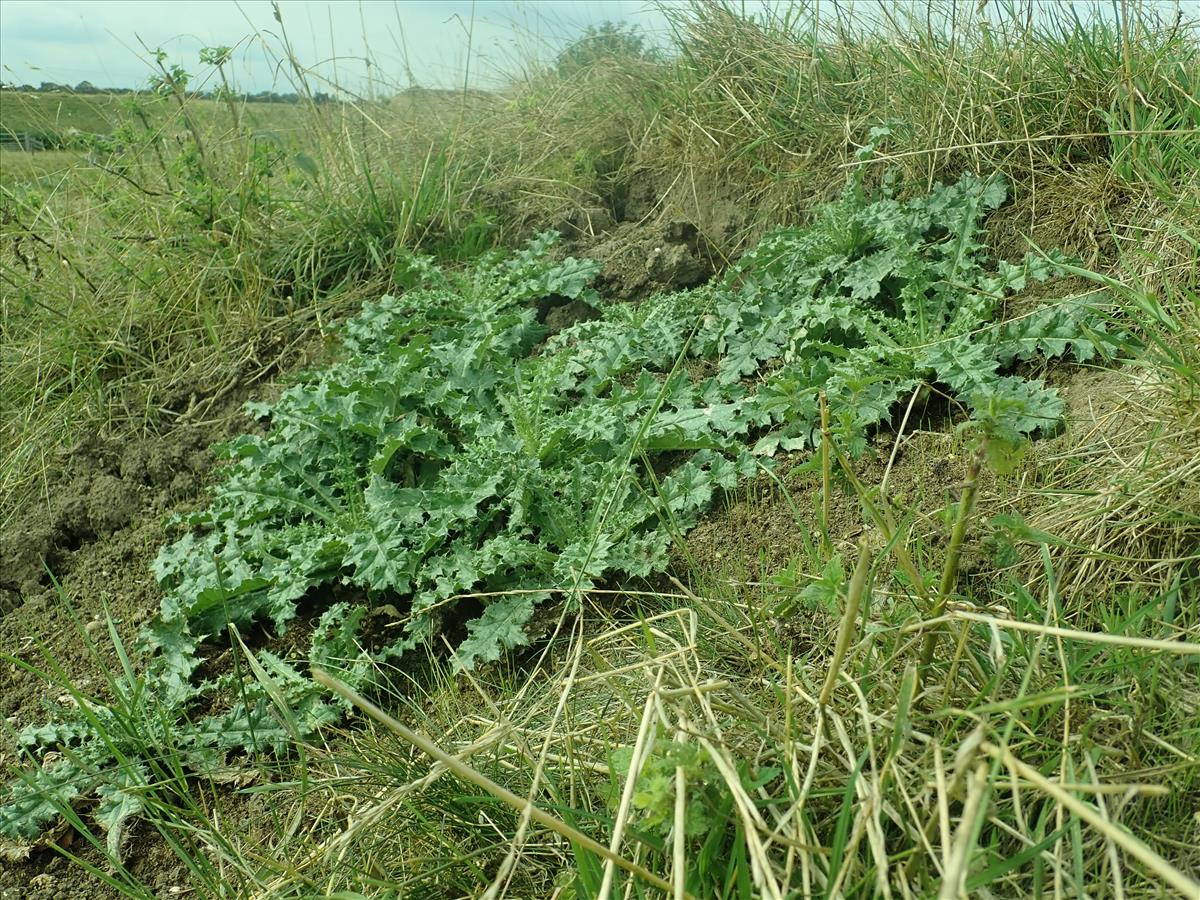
x=103, y=489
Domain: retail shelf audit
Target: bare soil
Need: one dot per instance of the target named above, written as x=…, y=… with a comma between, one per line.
x=71, y=565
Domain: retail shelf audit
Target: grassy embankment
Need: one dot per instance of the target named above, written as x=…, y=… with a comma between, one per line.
x=134, y=278
x=836, y=755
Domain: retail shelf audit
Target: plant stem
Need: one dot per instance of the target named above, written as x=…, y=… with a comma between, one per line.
x=885, y=523
x=954, y=552
x=826, y=477
x=854, y=595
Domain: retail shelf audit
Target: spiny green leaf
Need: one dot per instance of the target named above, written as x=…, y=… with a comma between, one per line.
x=501, y=628
x=121, y=799
x=36, y=798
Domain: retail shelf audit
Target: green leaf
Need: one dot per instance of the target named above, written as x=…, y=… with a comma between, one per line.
x=501, y=628
x=445, y=468
x=38, y=797
x=1011, y=408
x=121, y=799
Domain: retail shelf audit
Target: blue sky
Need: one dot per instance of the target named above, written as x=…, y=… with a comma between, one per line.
x=106, y=42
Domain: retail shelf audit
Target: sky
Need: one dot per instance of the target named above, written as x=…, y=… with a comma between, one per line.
x=109, y=42
x=362, y=45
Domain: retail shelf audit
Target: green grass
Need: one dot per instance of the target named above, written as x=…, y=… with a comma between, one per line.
x=768, y=113
x=59, y=116
x=1047, y=744
x=135, y=269
x=55, y=114
x=19, y=166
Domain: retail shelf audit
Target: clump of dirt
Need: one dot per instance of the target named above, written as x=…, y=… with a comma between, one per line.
x=775, y=520
x=1073, y=213
x=720, y=209
x=109, y=484
x=585, y=223
x=1095, y=399
x=640, y=260
x=96, y=536
x=649, y=244
x=104, y=487
x=54, y=877
x=84, y=556
x=558, y=314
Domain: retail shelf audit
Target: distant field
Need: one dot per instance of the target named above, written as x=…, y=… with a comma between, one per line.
x=58, y=118
x=57, y=112
x=54, y=116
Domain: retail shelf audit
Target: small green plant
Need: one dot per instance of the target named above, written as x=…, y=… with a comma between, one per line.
x=458, y=465
x=706, y=815
x=880, y=298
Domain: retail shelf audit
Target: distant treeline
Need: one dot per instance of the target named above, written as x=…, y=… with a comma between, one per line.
x=86, y=87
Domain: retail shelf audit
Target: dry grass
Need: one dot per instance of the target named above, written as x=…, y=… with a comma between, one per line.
x=746, y=774
x=768, y=113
